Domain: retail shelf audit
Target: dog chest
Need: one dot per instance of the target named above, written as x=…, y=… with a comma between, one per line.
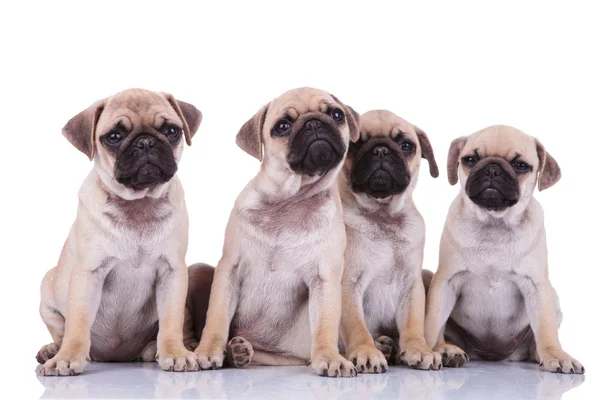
x=273, y=304
x=490, y=304
x=127, y=318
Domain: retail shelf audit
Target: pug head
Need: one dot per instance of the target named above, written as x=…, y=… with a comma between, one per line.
x=136, y=139
x=384, y=162
x=304, y=131
x=499, y=167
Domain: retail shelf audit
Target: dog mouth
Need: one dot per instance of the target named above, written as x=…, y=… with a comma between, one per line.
x=492, y=199
x=382, y=185
x=379, y=178
x=319, y=156
x=146, y=176
x=493, y=187
x=142, y=168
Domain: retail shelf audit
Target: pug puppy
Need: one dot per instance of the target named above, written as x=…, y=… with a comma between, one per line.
x=383, y=295
x=122, y=270
x=491, y=289
x=276, y=289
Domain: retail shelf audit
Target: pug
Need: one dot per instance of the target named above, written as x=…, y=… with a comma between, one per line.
x=491, y=290
x=383, y=295
x=122, y=270
x=276, y=290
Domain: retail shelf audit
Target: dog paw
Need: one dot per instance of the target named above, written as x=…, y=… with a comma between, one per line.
x=210, y=357
x=239, y=352
x=420, y=357
x=560, y=362
x=452, y=356
x=64, y=364
x=385, y=344
x=149, y=353
x=369, y=360
x=333, y=365
x=47, y=352
x=177, y=360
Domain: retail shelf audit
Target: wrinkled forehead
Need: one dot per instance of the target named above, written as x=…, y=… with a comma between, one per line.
x=501, y=141
x=300, y=101
x=138, y=107
x=385, y=123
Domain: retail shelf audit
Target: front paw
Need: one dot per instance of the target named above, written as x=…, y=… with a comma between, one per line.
x=178, y=359
x=452, y=356
x=560, y=362
x=65, y=363
x=420, y=357
x=368, y=359
x=332, y=364
x=210, y=356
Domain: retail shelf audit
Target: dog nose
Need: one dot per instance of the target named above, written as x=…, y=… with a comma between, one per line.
x=493, y=170
x=145, y=142
x=381, y=151
x=313, y=125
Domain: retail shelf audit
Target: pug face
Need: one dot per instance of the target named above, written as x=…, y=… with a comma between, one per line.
x=385, y=160
x=136, y=138
x=499, y=167
x=305, y=131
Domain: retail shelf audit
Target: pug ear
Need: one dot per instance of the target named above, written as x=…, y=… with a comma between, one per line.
x=549, y=171
x=189, y=115
x=455, y=148
x=427, y=152
x=249, y=138
x=353, y=119
x=81, y=129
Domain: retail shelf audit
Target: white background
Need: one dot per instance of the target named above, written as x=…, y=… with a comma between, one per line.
x=450, y=67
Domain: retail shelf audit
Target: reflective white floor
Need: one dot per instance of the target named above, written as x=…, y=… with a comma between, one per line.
x=477, y=380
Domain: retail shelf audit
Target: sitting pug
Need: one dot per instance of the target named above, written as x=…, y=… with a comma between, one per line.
x=491, y=290
x=122, y=270
x=382, y=288
x=276, y=290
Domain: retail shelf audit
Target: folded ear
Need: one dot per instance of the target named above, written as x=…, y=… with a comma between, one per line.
x=249, y=138
x=352, y=118
x=455, y=148
x=189, y=114
x=81, y=129
x=427, y=152
x=549, y=171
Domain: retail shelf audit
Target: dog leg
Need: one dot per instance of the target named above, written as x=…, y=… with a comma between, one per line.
x=324, y=307
x=56, y=325
x=414, y=352
x=224, y=298
x=85, y=289
x=200, y=280
x=360, y=348
x=171, y=292
x=542, y=307
x=441, y=298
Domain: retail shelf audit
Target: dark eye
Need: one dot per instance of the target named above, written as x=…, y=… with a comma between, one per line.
x=469, y=161
x=281, y=128
x=172, y=132
x=113, y=138
x=407, y=146
x=337, y=114
x=521, y=166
